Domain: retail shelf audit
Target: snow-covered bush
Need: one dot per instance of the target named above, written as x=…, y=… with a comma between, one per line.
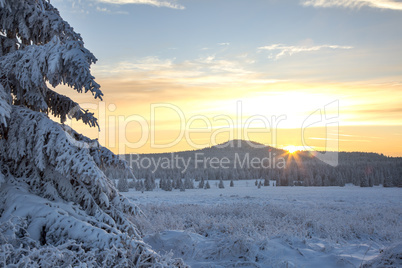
x=57, y=206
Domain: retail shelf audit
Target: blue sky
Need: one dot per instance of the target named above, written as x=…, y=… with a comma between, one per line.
x=279, y=57
x=365, y=39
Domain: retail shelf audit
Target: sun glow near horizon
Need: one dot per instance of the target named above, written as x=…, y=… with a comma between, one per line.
x=271, y=118
x=293, y=149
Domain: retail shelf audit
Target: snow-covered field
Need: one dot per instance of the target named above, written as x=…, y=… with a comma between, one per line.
x=244, y=226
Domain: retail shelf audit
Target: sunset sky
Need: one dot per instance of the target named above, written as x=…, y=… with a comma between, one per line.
x=205, y=70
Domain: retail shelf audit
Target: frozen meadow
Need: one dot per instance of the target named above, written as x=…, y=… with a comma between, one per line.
x=243, y=226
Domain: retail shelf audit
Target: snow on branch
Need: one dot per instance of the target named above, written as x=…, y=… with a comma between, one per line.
x=40, y=150
x=103, y=157
x=62, y=106
x=37, y=21
x=5, y=110
x=34, y=227
x=27, y=71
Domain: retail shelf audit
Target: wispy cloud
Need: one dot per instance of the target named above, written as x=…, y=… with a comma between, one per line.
x=105, y=10
x=283, y=50
x=156, y=3
x=383, y=4
x=329, y=139
x=147, y=64
x=207, y=70
x=102, y=9
x=214, y=64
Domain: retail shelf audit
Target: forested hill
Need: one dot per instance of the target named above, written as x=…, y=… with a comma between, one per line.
x=239, y=159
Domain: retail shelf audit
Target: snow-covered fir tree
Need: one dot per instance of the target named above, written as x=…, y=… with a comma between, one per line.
x=149, y=183
x=181, y=186
x=176, y=183
x=162, y=184
x=221, y=185
x=201, y=183
x=122, y=185
x=57, y=206
x=168, y=185
x=188, y=183
x=131, y=184
x=139, y=185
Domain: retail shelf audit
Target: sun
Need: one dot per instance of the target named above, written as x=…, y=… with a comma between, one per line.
x=291, y=149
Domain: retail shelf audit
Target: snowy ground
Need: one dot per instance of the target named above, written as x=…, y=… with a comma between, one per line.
x=244, y=226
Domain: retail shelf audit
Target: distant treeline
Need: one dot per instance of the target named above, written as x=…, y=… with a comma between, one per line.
x=245, y=162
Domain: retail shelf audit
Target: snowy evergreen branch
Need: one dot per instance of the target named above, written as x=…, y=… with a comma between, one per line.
x=41, y=145
x=103, y=157
x=5, y=110
x=26, y=71
x=34, y=22
x=62, y=106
